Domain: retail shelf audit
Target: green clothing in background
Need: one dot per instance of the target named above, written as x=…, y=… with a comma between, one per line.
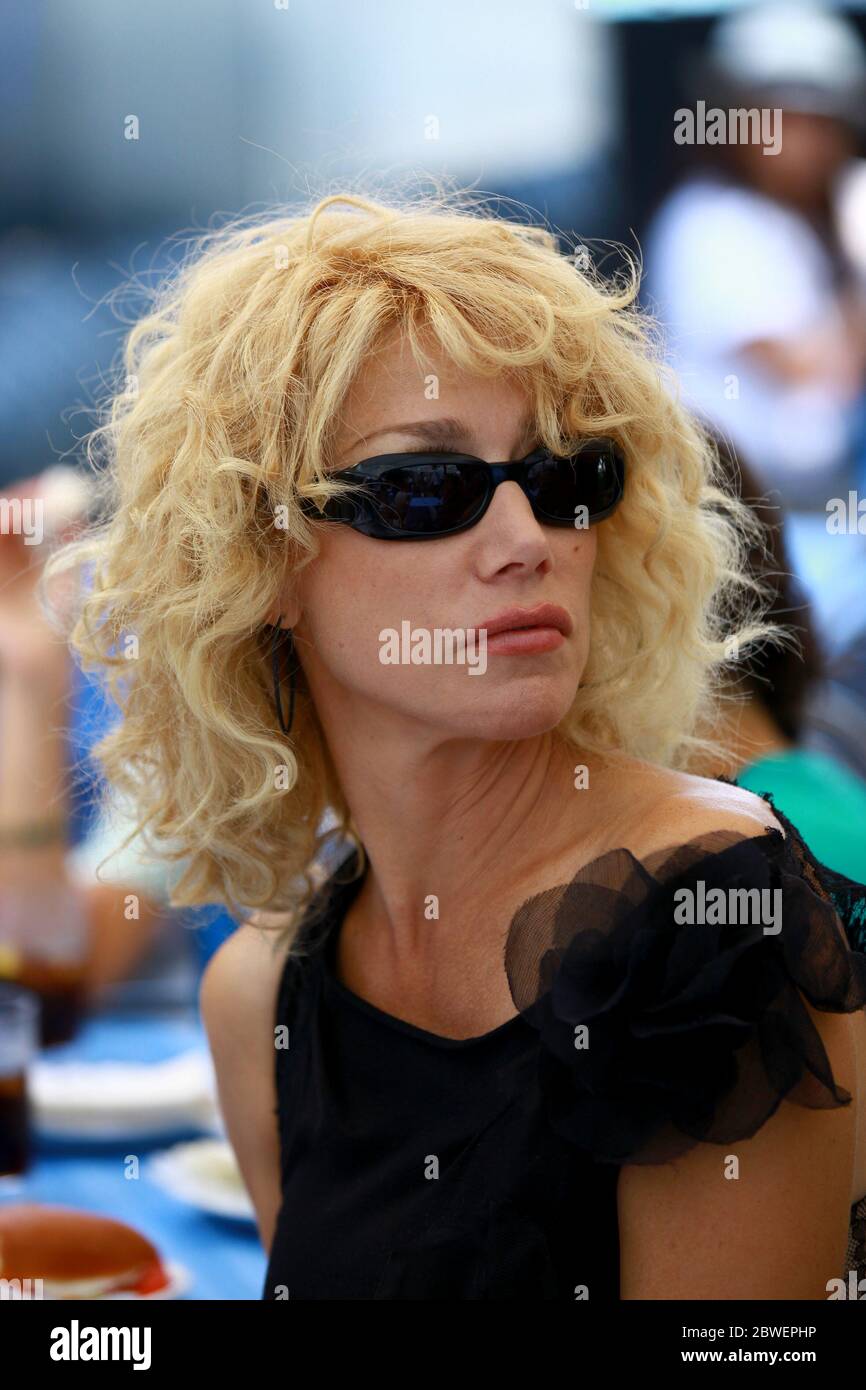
x=823, y=799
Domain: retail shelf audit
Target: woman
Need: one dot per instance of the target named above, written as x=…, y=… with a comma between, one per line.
x=412, y=1120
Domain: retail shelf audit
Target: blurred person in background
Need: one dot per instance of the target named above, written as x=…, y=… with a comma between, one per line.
x=58, y=922
x=765, y=733
x=757, y=261
x=836, y=716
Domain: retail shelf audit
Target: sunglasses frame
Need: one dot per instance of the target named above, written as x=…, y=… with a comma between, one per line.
x=360, y=512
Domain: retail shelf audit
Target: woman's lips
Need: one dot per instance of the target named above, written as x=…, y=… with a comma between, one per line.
x=526, y=639
x=518, y=630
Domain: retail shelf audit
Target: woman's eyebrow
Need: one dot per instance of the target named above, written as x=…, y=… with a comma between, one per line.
x=445, y=430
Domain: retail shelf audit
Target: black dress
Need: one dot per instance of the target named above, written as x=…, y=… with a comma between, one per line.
x=418, y=1166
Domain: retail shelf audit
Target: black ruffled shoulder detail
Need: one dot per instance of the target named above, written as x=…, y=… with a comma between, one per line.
x=657, y=1032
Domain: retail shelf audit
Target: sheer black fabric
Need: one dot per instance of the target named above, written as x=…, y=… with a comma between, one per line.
x=418, y=1166
x=657, y=1032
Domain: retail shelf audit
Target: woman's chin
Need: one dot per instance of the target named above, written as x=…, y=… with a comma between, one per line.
x=528, y=716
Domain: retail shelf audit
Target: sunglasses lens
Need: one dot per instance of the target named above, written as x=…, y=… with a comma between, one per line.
x=558, y=486
x=428, y=499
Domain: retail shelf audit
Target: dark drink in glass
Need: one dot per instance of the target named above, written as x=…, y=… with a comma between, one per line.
x=60, y=990
x=19, y=1035
x=43, y=948
x=14, y=1125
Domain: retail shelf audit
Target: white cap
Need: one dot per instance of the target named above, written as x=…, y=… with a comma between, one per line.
x=796, y=44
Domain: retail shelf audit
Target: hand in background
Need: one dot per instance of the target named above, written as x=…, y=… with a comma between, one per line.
x=39, y=896
x=30, y=648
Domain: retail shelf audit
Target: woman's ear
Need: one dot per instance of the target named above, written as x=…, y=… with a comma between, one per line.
x=285, y=608
x=284, y=611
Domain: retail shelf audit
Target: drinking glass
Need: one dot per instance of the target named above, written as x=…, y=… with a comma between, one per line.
x=19, y=1041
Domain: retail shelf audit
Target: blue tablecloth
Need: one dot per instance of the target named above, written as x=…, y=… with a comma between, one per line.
x=224, y=1257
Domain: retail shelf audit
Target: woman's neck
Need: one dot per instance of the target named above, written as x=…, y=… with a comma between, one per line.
x=451, y=834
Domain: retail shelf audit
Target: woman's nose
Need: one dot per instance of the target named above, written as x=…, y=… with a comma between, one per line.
x=510, y=501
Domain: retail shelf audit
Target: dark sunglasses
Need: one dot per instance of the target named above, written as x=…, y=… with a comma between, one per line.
x=422, y=496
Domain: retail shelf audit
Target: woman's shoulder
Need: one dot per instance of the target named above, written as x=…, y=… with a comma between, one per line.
x=674, y=808
x=240, y=979
x=663, y=806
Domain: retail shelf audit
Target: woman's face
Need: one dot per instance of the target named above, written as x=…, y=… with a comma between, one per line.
x=813, y=150
x=357, y=587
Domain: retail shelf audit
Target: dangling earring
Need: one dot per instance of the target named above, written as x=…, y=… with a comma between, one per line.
x=289, y=644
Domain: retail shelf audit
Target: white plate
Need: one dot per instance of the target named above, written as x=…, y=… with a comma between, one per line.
x=203, y=1173
x=115, y=1100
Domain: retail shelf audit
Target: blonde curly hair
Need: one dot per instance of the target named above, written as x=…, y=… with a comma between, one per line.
x=226, y=417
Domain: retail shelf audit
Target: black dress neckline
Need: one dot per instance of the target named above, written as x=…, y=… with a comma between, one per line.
x=342, y=896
